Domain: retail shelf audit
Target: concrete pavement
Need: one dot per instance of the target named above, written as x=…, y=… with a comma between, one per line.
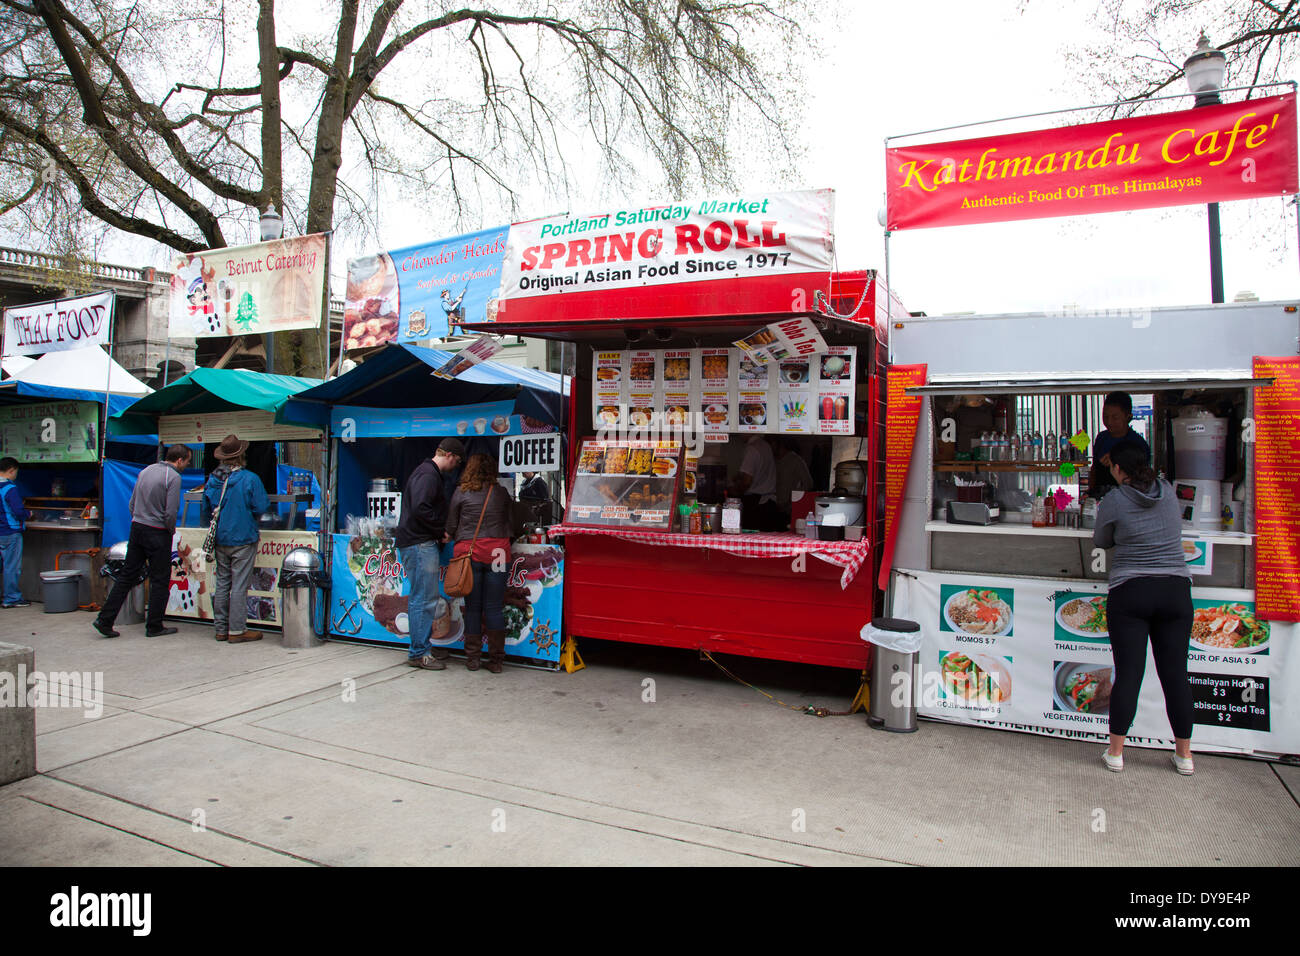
x=341, y=755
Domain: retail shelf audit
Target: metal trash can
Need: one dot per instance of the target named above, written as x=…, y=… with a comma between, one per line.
x=895, y=646
x=133, y=607
x=302, y=609
x=59, y=590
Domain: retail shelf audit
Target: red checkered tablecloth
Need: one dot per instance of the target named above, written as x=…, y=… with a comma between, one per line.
x=849, y=555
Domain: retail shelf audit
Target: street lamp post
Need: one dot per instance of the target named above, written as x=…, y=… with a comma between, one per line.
x=1204, y=70
x=270, y=227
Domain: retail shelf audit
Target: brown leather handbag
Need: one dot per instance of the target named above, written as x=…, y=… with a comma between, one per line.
x=459, y=579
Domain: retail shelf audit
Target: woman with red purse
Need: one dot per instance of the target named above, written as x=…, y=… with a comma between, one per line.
x=479, y=521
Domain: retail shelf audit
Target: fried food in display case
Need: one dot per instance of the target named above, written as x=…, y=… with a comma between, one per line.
x=637, y=485
x=616, y=459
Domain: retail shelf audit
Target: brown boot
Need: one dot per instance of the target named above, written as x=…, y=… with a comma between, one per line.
x=496, y=642
x=473, y=651
x=245, y=637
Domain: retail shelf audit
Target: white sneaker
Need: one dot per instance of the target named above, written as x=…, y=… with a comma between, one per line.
x=1115, y=763
x=1183, y=765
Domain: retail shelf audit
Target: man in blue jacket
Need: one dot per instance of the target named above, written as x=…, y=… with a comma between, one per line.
x=237, y=497
x=12, y=518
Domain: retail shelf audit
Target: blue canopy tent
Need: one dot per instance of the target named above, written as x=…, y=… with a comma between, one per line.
x=383, y=418
x=400, y=378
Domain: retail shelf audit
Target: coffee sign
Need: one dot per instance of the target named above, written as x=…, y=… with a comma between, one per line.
x=530, y=453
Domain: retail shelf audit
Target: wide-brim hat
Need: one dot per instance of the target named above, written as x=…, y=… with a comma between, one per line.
x=231, y=447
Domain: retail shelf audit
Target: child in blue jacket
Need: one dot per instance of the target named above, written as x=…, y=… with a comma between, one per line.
x=13, y=518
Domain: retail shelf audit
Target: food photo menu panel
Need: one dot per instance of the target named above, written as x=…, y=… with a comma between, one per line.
x=722, y=391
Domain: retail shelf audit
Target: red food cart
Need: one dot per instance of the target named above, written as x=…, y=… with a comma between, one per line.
x=655, y=301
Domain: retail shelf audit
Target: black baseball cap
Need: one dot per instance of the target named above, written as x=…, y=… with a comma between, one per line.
x=452, y=446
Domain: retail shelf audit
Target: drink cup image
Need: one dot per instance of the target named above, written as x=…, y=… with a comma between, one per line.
x=480, y=425
x=462, y=427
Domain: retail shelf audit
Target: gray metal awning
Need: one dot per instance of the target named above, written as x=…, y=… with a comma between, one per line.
x=1086, y=384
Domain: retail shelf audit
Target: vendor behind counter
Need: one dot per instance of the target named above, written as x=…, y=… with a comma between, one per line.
x=1116, y=413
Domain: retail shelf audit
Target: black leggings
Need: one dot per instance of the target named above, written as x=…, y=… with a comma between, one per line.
x=1162, y=608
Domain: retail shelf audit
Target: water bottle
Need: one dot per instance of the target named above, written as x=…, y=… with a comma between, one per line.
x=1050, y=447
x=1038, y=446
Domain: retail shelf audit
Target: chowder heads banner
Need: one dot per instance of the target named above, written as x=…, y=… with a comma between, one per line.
x=759, y=253
x=1203, y=155
x=249, y=290
x=424, y=291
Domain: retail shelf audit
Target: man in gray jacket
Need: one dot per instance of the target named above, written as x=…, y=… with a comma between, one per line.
x=155, y=503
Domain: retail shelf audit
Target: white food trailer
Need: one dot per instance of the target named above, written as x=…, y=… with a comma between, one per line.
x=1013, y=615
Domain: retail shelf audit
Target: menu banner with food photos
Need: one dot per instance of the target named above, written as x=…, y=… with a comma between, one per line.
x=249, y=290
x=1277, y=488
x=626, y=484
x=762, y=253
x=779, y=340
x=369, y=595
x=1034, y=655
x=463, y=421
x=720, y=391
x=426, y=291
x=189, y=594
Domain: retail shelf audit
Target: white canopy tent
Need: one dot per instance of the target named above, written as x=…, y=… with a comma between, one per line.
x=89, y=368
x=13, y=364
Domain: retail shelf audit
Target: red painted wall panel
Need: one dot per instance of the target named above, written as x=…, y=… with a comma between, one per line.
x=684, y=597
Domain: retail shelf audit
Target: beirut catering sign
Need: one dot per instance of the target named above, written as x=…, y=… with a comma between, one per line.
x=1203, y=155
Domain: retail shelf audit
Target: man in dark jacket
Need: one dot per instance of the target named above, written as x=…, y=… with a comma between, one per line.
x=420, y=534
x=155, y=504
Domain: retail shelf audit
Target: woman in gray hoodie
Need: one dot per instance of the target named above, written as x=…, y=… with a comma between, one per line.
x=1150, y=595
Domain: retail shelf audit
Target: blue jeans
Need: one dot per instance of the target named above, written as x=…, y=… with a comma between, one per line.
x=420, y=564
x=11, y=556
x=484, y=606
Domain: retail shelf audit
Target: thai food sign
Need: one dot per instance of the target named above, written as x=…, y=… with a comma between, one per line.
x=1202, y=155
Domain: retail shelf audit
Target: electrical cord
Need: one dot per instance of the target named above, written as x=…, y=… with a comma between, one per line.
x=809, y=709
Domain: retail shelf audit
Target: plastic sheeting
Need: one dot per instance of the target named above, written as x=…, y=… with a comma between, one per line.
x=119, y=480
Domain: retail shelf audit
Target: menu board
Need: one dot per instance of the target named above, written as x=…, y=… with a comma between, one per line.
x=1277, y=489
x=625, y=484
x=717, y=392
x=901, y=416
x=51, y=432
x=1033, y=655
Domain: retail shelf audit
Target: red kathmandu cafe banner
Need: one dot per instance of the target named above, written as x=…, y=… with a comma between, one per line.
x=1202, y=155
